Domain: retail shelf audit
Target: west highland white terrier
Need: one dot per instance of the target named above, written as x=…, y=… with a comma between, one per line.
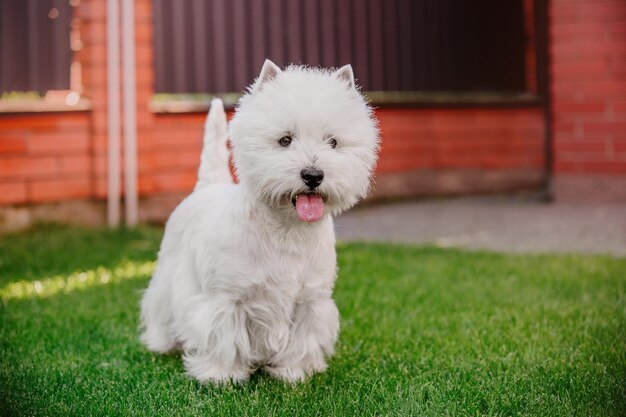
x=246, y=271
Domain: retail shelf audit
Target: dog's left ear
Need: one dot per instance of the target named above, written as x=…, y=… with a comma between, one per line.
x=268, y=73
x=345, y=74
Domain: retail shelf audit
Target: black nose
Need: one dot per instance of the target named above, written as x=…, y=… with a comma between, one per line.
x=312, y=177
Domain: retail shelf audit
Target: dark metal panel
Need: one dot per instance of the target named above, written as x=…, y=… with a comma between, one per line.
x=377, y=68
x=418, y=48
x=219, y=58
x=61, y=54
x=275, y=22
x=294, y=35
x=35, y=82
x=361, y=42
x=344, y=32
x=202, y=40
x=390, y=43
x=258, y=37
x=160, y=48
x=445, y=36
x=406, y=60
x=394, y=45
x=328, y=27
x=239, y=38
x=179, y=40
x=312, y=32
x=431, y=46
x=35, y=50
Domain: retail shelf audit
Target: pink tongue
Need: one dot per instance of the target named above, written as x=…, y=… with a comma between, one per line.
x=309, y=207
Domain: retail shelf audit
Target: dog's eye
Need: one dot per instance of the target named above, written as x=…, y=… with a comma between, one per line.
x=285, y=141
x=333, y=143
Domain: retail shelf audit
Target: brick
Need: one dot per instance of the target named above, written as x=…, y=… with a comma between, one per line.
x=27, y=122
x=619, y=145
x=144, y=34
x=100, y=188
x=27, y=168
x=565, y=35
x=100, y=122
x=95, y=52
x=580, y=70
x=595, y=167
x=571, y=2
x=145, y=119
x=145, y=185
x=58, y=143
x=97, y=74
x=174, y=181
x=591, y=13
x=406, y=163
x=59, y=189
x=565, y=55
x=617, y=127
x=75, y=165
x=143, y=10
x=167, y=139
x=12, y=144
x=582, y=107
x=36, y=122
x=100, y=165
x=573, y=91
x=93, y=31
x=12, y=193
x=579, y=135
x=582, y=146
x=100, y=141
x=92, y=10
x=168, y=161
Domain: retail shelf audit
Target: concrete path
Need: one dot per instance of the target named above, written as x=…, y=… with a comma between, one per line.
x=496, y=223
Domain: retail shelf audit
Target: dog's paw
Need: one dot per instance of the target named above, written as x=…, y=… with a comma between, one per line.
x=295, y=374
x=207, y=371
x=289, y=374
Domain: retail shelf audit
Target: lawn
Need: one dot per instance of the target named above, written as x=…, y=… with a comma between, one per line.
x=424, y=331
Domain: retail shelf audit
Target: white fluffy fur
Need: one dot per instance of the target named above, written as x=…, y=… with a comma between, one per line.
x=241, y=281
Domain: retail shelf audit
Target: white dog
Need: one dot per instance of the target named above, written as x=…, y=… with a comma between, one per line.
x=246, y=271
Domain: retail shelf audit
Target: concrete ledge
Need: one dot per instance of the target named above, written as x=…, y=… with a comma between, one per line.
x=589, y=188
x=85, y=213
x=424, y=183
x=154, y=209
x=157, y=209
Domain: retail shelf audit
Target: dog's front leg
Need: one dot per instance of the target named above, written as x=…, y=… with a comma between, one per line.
x=215, y=340
x=312, y=338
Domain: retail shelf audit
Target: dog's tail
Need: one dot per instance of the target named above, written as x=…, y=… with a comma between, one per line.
x=214, y=161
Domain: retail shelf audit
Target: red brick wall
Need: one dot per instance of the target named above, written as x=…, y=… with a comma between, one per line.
x=482, y=139
x=588, y=53
x=93, y=60
x=413, y=140
x=45, y=157
x=63, y=156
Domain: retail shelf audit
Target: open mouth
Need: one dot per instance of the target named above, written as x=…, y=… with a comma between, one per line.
x=309, y=206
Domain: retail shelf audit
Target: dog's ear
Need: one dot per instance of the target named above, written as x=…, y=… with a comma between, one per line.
x=268, y=73
x=345, y=74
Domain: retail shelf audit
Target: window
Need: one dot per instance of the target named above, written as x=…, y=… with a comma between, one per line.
x=35, y=50
x=424, y=46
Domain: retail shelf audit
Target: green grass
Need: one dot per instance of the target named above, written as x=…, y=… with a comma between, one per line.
x=425, y=331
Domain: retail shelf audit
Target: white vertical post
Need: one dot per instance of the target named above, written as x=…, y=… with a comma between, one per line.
x=130, y=112
x=113, y=113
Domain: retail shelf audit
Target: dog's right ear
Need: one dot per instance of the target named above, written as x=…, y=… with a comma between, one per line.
x=268, y=73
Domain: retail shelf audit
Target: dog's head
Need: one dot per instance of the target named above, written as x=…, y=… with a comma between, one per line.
x=305, y=140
